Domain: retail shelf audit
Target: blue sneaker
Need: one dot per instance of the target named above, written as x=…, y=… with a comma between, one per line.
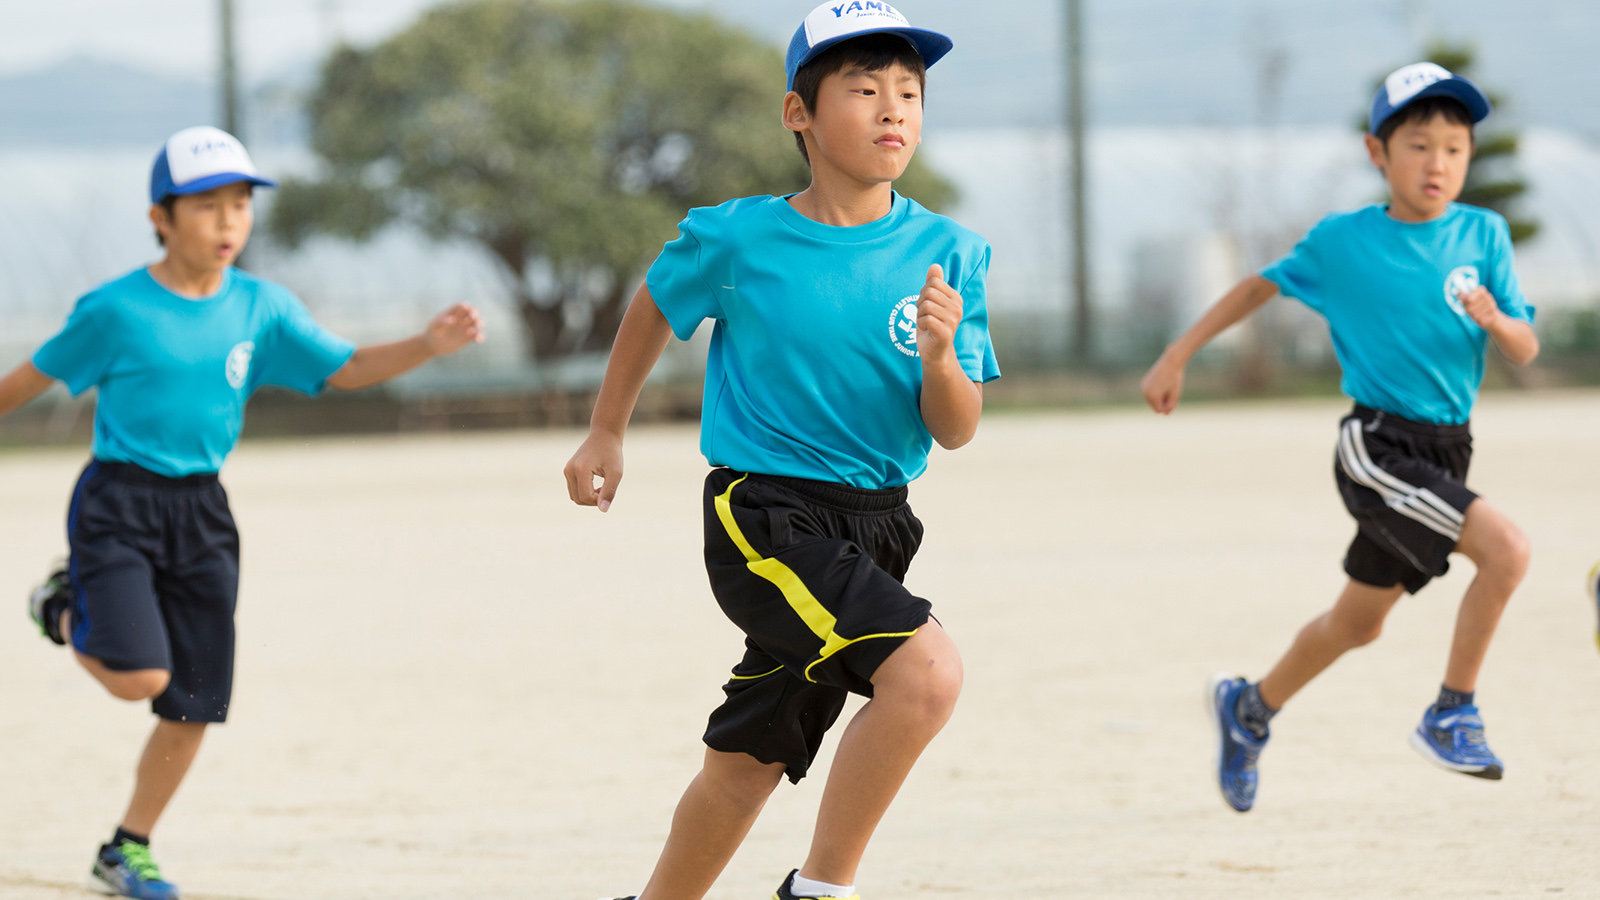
x=127, y=870
x=1593, y=586
x=1453, y=739
x=1237, y=747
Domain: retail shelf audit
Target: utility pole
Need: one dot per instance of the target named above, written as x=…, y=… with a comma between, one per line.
x=1083, y=344
x=230, y=78
x=231, y=122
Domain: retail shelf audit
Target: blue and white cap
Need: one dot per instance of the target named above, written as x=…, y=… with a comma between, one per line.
x=1424, y=79
x=840, y=20
x=199, y=159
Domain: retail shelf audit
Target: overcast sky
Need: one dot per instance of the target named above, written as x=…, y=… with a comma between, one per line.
x=182, y=40
x=1181, y=61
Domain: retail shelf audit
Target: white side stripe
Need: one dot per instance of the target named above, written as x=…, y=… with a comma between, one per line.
x=1399, y=501
x=1419, y=504
x=1450, y=513
x=1396, y=494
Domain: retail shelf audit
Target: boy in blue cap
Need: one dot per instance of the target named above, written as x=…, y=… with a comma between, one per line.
x=850, y=333
x=1413, y=290
x=175, y=350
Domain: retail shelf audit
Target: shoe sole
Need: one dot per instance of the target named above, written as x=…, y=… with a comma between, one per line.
x=1592, y=588
x=101, y=886
x=1216, y=680
x=37, y=602
x=1421, y=745
x=105, y=888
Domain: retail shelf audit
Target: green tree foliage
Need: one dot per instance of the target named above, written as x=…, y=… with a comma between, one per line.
x=565, y=138
x=1491, y=181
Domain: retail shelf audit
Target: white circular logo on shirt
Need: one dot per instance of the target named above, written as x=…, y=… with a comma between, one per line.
x=1461, y=280
x=239, y=363
x=903, y=326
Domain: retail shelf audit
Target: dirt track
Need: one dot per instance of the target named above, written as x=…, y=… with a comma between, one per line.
x=453, y=683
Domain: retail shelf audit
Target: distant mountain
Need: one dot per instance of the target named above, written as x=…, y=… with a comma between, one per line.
x=1151, y=62
x=90, y=102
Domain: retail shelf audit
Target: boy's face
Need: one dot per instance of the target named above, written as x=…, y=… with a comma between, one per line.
x=207, y=231
x=866, y=125
x=1425, y=163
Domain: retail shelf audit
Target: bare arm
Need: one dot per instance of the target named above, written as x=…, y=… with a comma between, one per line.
x=20, y=385
x=373, y=364
x=951, y=402
x=642, y=337
x=1163, y=384
x=1515, y=338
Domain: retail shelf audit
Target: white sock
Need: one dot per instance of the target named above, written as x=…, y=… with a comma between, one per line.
x=805, y=887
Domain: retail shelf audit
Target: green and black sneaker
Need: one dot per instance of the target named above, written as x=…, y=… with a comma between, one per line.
x=126, y=870
x=48, y=601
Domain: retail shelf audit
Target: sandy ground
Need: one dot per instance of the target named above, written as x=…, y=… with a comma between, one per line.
x=452, y=683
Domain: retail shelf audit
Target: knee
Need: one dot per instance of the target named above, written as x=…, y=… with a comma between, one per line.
x=1352, y=631
x=740, y=777
x=930, y=692
x=1513, y=554
x=142, y=684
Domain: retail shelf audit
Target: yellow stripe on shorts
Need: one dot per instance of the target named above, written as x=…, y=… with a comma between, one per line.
x=799, y=597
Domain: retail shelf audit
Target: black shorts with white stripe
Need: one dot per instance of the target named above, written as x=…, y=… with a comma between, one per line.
x=1405, y=484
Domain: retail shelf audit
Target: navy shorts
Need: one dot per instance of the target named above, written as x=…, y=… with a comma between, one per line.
x=1405, y=484
x=811, y=572
x=155, y=578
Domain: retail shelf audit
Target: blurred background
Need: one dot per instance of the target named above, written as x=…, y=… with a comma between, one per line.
x=1128, y=159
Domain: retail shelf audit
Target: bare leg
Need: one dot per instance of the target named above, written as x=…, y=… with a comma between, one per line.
x=712, y=818
x=1356, y=619
x=1500, y=551
x=914, y=693
x=135, y=684
x=167, y=755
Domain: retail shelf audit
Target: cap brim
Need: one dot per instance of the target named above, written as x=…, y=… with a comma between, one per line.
x=1456, y=88
x=201, y=185
x=1474, y=100
x=930, y=45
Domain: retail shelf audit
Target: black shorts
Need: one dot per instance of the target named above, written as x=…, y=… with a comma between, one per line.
x=811, y=572
x=155, y=578
x=1405, y=484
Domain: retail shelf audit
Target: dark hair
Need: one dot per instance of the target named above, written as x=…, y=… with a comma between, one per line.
x=868, y=53
x=1453, y=110
x=167, y=203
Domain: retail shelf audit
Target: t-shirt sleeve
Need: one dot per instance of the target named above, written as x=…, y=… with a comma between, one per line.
x=974, y=349
x=677, y=282
x=1502, y=281
x=300, y=354
x=1299, y=274
x=80, y=355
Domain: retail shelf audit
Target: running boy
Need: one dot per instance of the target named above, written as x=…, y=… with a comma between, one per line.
x=1412, y=291
x=176, y=349
x=841, y=350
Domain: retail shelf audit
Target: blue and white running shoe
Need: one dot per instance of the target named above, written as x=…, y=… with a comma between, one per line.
x=1237, y=747
x=127, y=870
x=1453, y=739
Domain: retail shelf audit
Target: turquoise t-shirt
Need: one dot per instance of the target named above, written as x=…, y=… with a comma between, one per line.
x=813, y=370
x=1388, y=290
x=174, y=373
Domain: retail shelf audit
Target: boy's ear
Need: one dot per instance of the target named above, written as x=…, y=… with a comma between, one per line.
x=796, y=117
x=158, y=218
x=1377, y=152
